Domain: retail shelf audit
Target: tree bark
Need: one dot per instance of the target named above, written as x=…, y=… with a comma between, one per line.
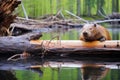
x=20, y=44
x=15, y=45
x=6, y=16
x=80, y=47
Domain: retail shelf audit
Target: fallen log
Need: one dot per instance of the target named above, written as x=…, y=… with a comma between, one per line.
x=79, y=50
x=20, y=43
x=77, y=46
x=11, y=45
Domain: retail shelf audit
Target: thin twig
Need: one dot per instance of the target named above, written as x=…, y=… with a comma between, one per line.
x=16, y=57
x=12, y=29
x=62, y=15
x=44, y=49
x=52, y=39
x=102, y=14
x=13, y=57
x=25, y=13
x=58, y=12
x=76, y=16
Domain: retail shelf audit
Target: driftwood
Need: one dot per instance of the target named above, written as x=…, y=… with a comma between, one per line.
x=31, y=24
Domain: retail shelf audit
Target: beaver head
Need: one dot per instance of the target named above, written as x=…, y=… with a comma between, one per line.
x=90, y=31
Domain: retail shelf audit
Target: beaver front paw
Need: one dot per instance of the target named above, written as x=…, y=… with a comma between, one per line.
x=102, y=39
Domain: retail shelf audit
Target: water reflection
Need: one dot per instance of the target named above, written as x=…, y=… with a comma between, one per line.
x=7, y=75
x=61, y=71
x=115, y=28
x=93, y=71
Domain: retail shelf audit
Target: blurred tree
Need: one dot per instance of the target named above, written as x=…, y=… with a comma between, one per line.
x=87, y=7
x=58, y=7
x=78, y=7
x=100, y=4
x=51, y=7
x=71, y=5
x=115, y=5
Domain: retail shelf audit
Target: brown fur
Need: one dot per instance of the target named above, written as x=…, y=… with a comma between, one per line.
x=93, y=71
x=94, y=32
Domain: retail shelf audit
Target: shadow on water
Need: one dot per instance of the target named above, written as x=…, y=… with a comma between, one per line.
x=64, y=68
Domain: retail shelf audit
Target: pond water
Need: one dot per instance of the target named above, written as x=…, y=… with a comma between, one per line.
x=70, y=70
x=79, y=72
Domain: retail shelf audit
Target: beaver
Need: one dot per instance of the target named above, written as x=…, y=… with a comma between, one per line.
x=94, y=32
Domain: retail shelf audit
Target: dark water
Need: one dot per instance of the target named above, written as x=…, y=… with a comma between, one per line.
x=84, y=69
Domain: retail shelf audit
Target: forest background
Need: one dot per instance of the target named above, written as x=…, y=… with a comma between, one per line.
x=38, y=8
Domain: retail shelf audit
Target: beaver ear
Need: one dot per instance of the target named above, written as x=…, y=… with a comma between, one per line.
x=95, y=25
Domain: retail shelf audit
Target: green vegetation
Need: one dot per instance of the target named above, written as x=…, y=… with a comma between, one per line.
x=37, y=8
x=62, y=74
x=67, y=35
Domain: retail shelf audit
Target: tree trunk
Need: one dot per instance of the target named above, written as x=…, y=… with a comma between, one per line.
x=89, y=7
x=100, y=4
x=71, y=6
x=51, y=7
x=58, y=7
x=115, y=5
x=85, y=7
x=6, y=16
x=78, y=7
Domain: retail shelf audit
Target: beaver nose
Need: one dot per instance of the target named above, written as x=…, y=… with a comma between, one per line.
x=85, y=33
